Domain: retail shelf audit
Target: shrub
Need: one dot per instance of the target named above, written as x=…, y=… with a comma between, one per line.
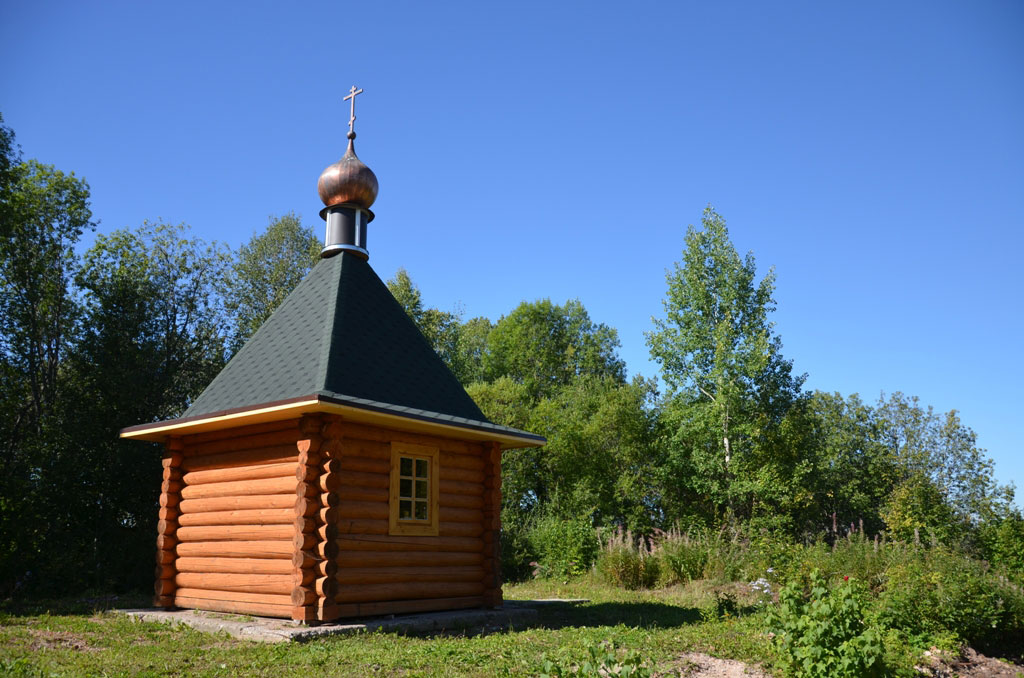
x=683, y=558
x=564, y=547
x=940, y=591
x=628, y=562
x=824, y=635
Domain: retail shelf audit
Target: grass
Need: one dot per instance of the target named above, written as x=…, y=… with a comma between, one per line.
x=60, y=638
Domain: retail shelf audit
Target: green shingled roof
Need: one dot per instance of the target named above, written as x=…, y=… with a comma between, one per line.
x=341, y=336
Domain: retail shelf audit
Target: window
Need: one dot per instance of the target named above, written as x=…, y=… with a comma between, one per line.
x=414, y=490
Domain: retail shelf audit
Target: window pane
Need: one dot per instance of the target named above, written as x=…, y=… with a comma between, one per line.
x=405, y=466
x=421, y=489
x=421, y=510
x=404, y=487
x=421, y=468
x=405, y=509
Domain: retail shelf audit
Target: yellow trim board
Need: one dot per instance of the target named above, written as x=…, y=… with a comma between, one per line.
x=160, y=433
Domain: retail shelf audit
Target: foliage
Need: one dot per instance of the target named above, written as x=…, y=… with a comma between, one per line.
x=938, y=590
x=628, y=562
x=604, y=662
x=44, y=214
x=264, y=271
x=566, y=547
x=729, y=383
x=825, y=634
x=545, y=346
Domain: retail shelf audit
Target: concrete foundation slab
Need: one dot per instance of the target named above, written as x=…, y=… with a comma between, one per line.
x=518, y=614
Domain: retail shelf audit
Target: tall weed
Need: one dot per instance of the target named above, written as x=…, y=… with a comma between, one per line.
x=628, y=562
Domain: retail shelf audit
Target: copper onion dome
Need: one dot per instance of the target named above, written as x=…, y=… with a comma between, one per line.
x=348, y=180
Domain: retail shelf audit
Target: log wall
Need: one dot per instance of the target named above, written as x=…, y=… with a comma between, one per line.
x=382, y=574
x=290, y=519
x=235, y=521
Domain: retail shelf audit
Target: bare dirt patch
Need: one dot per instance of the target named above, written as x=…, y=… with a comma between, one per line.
x=970, y=664
x=59, y=640
x=697, y=665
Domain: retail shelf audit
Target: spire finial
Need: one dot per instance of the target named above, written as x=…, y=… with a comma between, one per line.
x=352, y=93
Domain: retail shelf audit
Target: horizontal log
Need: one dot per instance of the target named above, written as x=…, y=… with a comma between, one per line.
x=362, y=479
x=237, y=596
x=281, y=516
x=407, y=591
x=259, y=609
x=371, y=542
x=164, y=587
x=166, y=542
x=308, y=445
x=362, y=559
x=163, y=601
x=172, y=486
x=326, y=587
x=329, y=482
x=448, y=514
x=240, y=432
x=249, y=442
x=165, y=556
x=304, y=541
x=307, y=613
x=241, y=488
x=304, y=560
x=169, y=499
x=464, y=475
x=303, y=595
x=469, y=501
x=235, y=565
x=362, y=526
x=246, y=503
x=359, y=433
x=305, y=525
x=350, y=492
x=169, y=513
x=327, y=531
x=326, y=568
x=306, y=474
x=363, y=509
x=366, y=449
x=449, y=529
x=235, y=473
x=408, y=606
x=166, y=526
x=355, y=576
x=459, y=487
x=327, y=516
x=355, y=464
x=171, y=473
x=165, y=571
x=470, y=462
x=234, y=532
x=237, y=549
x=244, y=583
x=275, y=454
x=328, y=550
x=306, y=577
x=171, y=459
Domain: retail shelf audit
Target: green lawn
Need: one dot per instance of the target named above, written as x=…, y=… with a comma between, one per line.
x=72, y=639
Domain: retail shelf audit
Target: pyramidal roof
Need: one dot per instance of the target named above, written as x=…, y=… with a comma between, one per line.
x=340, y=337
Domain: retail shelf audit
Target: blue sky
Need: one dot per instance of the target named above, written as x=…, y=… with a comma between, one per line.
x=872, y=152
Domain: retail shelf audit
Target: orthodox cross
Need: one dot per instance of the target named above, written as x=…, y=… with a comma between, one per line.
x=352, y=96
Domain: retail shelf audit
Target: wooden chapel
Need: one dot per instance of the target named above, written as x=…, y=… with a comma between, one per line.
x=335, y=467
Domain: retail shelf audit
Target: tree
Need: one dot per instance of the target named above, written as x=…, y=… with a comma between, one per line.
x=44, y=214
x=723, y=363
x=153, y=337
x=265, y=271
x=545, y=346
x=945, y=484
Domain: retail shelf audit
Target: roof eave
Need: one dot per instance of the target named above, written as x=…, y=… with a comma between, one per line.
x=365, y=412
